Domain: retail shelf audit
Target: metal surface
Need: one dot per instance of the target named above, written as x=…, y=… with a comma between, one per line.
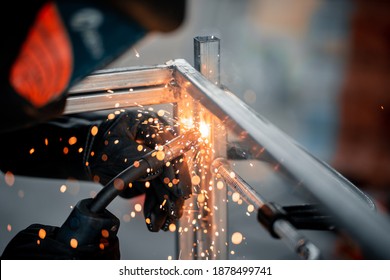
x=294, y=240
x=207, y=55
x=131, y=77
x=120, y=88
x=205, y=214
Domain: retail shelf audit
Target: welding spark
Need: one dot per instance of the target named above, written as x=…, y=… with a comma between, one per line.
x=9, y=178
x=136, y=53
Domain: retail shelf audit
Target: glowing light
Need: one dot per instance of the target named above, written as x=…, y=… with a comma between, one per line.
x=172, y=227
x=169, y=258
x=119, y=184
x=251, y=208
x=46, y=141
x=32, y=150
x=42, y=233
x=94, y=130
x=132, y=214
x=140, y=148
x=65, y=150
x=136, y=53
x=138, y=207
x=148, y=221
x=72, y=140
x=160, y=155
x=9, y=178
x=187, y=123
x=235, y=196
x=73, y=243
x=147, y=184
x=195, y=180
x=220, y=185
x=160, y=113
x=236, y=238
x=204, y=129
x=9, y=227
x=136, y=164
x=63, y=188
x=201, y=198
x=105, y=233
x=111, y=116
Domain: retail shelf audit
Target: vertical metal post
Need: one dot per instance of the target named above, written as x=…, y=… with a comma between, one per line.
x=207, y=57
x=203, y=230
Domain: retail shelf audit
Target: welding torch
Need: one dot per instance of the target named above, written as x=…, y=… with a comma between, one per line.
x=148, y=163
x=269, y=215
x=89, y=218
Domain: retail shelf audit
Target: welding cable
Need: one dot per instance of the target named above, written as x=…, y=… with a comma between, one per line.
x=150, y=162
x=279, y=227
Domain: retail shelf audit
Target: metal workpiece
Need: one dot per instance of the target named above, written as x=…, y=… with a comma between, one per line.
x=123, y=88
x=121, y=78
x=207, y=52
x=119, y=99
x=205, y=214
x=220, y=166
x=196, y=99
x=352, y=210
x=280, y=227
x=296, y=241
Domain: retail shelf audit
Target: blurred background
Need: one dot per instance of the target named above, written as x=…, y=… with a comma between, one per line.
x=294, y=62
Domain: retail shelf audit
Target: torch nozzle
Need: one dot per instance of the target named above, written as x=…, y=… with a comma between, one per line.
x=181, y=144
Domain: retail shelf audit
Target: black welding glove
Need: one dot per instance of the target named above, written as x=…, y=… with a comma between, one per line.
x=39, y=242
x=122, y=140
x=99, y=146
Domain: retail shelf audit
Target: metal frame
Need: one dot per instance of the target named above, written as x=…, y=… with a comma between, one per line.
x=352, y=211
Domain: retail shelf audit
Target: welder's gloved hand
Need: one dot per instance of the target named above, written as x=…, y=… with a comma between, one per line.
x=38, y=242
x=121, y=141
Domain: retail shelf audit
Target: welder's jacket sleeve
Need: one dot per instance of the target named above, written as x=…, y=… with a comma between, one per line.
x=53, y=149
